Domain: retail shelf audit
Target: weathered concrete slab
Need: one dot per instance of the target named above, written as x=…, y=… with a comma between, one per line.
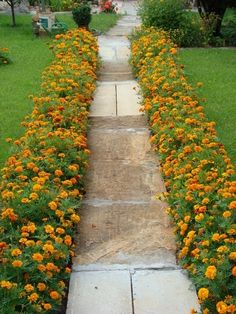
x=104, y=103
x=123, y=180
x=103, y=221
x=118, y=122
x=163, y=292
x=100, y=292
x=131, y=143
x=128, y=100
x=118, y=71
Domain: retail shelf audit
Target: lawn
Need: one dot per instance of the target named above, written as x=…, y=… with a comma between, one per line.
x=22, y=77
x=216, y=69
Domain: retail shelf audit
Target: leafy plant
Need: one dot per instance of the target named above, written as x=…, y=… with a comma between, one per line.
x=4, y=59
x=82, y=15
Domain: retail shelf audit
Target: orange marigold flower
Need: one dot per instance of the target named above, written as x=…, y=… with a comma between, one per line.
x=16, y=252
x=227, y=214
x=54, y=295
x=52, y=205
x=221, y=307
x=58, y=173
x=33, y=297
x=211, y=272
x=6, y=284
x=203, y=294
x=28, y=288
x=37, y=257
x=234, y=271
x=47, y=306
x=232, y=205
x=37, y=187
x=41, y=286
x=232, y=256
x=49, y=229
x=68, y=240
x=17, y=263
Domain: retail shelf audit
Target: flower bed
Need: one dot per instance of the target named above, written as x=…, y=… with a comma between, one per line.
x=198, y=174
x=42, y=182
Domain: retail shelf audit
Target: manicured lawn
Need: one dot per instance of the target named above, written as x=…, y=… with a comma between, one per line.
x=22, y=77
x=101, y=22
x=216, y=69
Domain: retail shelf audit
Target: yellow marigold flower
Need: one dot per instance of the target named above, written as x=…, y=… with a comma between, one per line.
x=49, y=229
x=17, y=263
x=210, y=272
x=54, y=295
x=222, y=249
x=16, y=252
x=33, y=297
x=28, y=288
x=216, y=237
x=37, y=257
x=203, y=294
x=75, y=218
x=199, y=217
x=72, y=167
x=41, y=268
x=37, y=187
x=6, y=284
x=48, y=248
x=52, y=205
x=41, y=286
x=60, y=230
x=33, y=196
x=221, y=307
x=25, y=200
x=227, y=214
x=234, y=271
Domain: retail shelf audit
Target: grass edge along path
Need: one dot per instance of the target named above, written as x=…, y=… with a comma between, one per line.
x=198, y=174
x=42, y=182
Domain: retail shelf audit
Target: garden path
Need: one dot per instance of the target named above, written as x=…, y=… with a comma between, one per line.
x=126, y=248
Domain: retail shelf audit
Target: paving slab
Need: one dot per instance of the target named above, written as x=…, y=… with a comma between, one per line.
x=100, y=292
x=120, y=144
x=118, y=122
x=128, y=99
x=163, y=292
x=104, y=221
x=123, y=180
x=104, y=103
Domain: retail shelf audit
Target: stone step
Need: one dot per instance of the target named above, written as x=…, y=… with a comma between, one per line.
x=123, y=180
x=115, y=67
x=118, y=122
x=103, y=220
x=120, y=144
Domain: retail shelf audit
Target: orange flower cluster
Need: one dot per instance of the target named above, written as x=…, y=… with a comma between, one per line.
x=41, y=184
x=198, y=174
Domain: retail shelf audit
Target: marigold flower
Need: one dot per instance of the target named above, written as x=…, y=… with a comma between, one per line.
x=58, y=173
x=49, y=229
x=234, y=271
x=37, y=257
x=203, y=294
x=47, y=306
x=28, y=288
x=33, y=297
x=17, y=263
x=41, y=286
x=16, y=252
x=54, y=295
x=232, y=205
x=6, y=284
x=226, y=214
x=232, y=256
x=211, y=272
x=221, y=307
x=52, y=205
x=37, y=187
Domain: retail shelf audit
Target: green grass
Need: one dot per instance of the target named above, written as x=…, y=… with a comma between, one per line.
x=22, y=77
x=101, y=22
x=216, y=69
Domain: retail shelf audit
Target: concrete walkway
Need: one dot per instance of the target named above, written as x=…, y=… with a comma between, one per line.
x=125, y=260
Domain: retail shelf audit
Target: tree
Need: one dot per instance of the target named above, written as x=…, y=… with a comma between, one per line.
x=217, y=7
x=12, y=4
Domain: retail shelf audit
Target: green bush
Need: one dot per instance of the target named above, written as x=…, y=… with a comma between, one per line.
x=162, y=14
x=82, y=15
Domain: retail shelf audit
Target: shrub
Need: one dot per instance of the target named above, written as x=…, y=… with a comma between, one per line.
x=199, y=176
x=82, y=15
x=165, y=14
x=42, y=182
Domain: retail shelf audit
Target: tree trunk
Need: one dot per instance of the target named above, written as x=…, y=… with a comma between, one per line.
x=13, y=14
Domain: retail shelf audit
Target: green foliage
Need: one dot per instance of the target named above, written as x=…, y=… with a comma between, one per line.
x=82, y=15
x=65, y=5
x=4, y=59
x=165, y=14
